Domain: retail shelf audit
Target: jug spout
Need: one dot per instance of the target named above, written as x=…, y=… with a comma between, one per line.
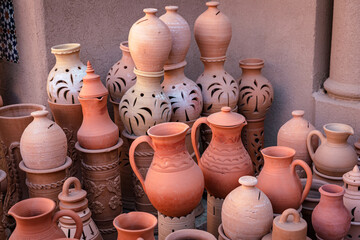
x=338, y=132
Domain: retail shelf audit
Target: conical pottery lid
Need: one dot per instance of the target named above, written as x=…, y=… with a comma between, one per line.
x=226, y=118
x=92, y=86
x=352, y=177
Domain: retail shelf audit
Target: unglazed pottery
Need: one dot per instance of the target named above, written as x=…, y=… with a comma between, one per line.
x=168, y=225
x=65, y=78
x=225, y=160
x=329, y=179
x=279, y=181
x=171, y=165
x=213, y=214
x=150, y=42
x=121, y=75
x=334, y=156
x=285, y=228
x=330, y=218
x=97, y=130
x=352, y=193
x=256, y=95
x=135, y=226
x=35, y=220
x=246, y=212
x=43, y=143
x=193, y=234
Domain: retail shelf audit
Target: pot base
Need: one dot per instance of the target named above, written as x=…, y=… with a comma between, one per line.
x=214, y=206
x=329, y=179
x=168, y=225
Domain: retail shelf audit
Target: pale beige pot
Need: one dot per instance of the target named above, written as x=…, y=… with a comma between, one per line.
x=43, y=144
x=352, y=193
x=65, y=78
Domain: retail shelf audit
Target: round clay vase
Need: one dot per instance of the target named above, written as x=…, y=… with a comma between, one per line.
x=65, y=78
x=43, y=144
x=121, y=75
x=279, y=181
x=135, y=226
x=352, y=193
x=35, y=219
x=246, y=212
x=150, y=42
x=174, y=182
x=334, y=156
x=225, y=160
x=330, y=218
x=193, y=234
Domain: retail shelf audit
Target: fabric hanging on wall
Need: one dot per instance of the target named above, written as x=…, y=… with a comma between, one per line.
x=8, y=42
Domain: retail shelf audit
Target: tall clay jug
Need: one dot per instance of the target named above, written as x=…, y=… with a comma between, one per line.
x=35, y=220
x=225, y=160
x=279, y=181
x=174, y=183
x=334, y=156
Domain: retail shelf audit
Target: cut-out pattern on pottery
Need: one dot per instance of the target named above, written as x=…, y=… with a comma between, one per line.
x=65, y=78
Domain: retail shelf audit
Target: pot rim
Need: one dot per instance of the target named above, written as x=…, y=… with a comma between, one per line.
x=286, y=152
x=62, y=104
x=20, y=106
x=65, y=48
x=251, y=63
x=191, y=233
x=67, y=164
x=23, y=202
x=167, y=126
x=345, y=128
x=109, y=149
x=332, y=190
x=124, y=46
x=134, y=213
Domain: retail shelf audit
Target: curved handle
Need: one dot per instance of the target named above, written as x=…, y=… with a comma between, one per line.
x=75, y=217
x=287, y=213
x=133, y=146
x=197, y=123
x=308, y=142
x=67, y=184
x=309, y=176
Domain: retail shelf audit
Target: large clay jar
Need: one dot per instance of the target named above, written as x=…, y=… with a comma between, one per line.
x=35, y=220
x=330, y=218
x=225, y=160
x=334, y=156
x=279, y=181
x=174, y=183
x=352, y=193
x=97, y=130
x=255, y=98
x=43, y=143
x=65, y=78
x=246, y=212
x=193, y=234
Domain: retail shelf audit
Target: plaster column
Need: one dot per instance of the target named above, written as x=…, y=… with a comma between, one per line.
x=344, y=80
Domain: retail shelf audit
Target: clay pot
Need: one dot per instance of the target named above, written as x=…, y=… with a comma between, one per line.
x=43, y=143
x=352, y=193
x=253, y=87
x=150, y=42
x=97, y=130
x=135, y=225
x=246, y=212
x=334, y=156
x=35, y=220
x=171, y=165
x=65, y=78
x=225, y=160
x=293, y=134
x=330, y=218
x=212, y=32
x=279, y=181
x=121, y=75
x=190, y=234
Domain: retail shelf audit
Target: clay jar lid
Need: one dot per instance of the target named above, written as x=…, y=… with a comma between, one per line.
x=72, y=198
x=226, y=118
x=286, y=228
x=92, y=86
x=352, y=177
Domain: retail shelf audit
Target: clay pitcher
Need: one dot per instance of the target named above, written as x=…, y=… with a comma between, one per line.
x=35, y=220
x=174, y=183
x=279, y=181
x=225, y=160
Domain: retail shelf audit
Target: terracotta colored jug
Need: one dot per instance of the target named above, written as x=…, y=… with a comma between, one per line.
x=35, y=220
x=334, y=156
x=192, y=234
x=352, y=193
x=330, y=218
x=279, y=181
x=135, y=226
x=225, y=160
x=174, y=183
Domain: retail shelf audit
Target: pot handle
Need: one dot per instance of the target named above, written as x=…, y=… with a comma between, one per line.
x=75, y=217
x=308, y=142
x=197, y=123
x=133, y=146
x=309, y=176
x=287, y=213
x=68, y=183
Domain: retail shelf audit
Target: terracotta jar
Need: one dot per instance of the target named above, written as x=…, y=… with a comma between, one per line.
x=193, y=234
x=65, y=78
x=246, y=212
x=279, y=181
x=149, y=42
x=97, y=130
x=352, y=193
x=35, y=220
x=255, y=98
x=330, y=218
x=171, y=165
x=43, y=143
x=225, y=160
